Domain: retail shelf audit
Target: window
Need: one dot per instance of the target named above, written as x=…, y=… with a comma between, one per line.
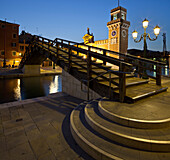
x=13, y=44
x=13, y=53
x=14, y=27
x=3, y=26
x=14, y=35
x=21, y=48
x=2, y=53
x=123, y=16
x=114, y=16
x=113, y=40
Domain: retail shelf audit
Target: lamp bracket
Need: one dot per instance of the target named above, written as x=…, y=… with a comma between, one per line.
x=151, y=39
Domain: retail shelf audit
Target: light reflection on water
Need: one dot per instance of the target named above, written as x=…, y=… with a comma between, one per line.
x=165, y=71
x=30, y=87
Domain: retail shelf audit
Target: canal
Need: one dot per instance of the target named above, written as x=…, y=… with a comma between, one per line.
x=30, y=87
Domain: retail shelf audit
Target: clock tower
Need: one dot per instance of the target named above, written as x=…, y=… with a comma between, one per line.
x=118, y=30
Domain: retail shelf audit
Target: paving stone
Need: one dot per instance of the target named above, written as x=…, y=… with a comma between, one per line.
x=3, y=147
x=16, y=139
x=4, y=155
x=47, y=156
x=13, y=130
x=39, y=146
x=22, y=152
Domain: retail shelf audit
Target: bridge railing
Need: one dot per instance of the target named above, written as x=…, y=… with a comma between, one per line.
x=141, y=64
x=72, y=49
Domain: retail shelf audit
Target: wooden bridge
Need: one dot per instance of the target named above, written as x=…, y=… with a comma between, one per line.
x=89, y=65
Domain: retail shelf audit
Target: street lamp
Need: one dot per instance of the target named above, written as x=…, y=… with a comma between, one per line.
x=144, y=36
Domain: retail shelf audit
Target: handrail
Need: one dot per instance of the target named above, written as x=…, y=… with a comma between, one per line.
x=101, y=75
x=70, y=47
x=121, y=54
x=93, y=54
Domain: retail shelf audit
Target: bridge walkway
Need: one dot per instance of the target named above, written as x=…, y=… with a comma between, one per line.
x=93, y=67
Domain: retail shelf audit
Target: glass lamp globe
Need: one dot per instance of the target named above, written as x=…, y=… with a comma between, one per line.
x=145, y=23
x=134, y=34
x=157, y=30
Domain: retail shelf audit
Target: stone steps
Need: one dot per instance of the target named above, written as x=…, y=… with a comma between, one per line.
x=131, y=81
x=145, y=139
x=113, y=77
x=95, y=142
x=123, y=114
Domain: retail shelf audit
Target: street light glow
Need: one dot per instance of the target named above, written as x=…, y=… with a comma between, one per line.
x=157, y=30
x=145, y=23
x=134, y=34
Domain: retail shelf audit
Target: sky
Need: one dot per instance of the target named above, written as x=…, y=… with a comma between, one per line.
x=69, y=19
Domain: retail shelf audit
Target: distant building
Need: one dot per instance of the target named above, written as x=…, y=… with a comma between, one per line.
x=118, y=33
x=9, y=44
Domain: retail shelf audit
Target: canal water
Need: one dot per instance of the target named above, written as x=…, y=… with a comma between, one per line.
x=30, y=87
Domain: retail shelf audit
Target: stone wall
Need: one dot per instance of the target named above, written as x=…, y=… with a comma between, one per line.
x=72, y=86
x=31, y=69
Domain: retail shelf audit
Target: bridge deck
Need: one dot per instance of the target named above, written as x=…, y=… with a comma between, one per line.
x=87, y=65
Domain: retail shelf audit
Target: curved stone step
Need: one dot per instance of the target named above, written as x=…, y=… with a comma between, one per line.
x=111, y=112
x=101, y=148
x=145, y=139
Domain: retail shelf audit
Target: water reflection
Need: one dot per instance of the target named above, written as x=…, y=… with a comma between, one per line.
x=165, y=71
x=54, y=86
x=17, y=90
x=31, y=87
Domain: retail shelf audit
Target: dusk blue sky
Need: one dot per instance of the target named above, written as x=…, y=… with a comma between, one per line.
x=69, y=19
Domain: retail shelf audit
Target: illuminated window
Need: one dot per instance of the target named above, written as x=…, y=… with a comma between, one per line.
x=114, y=16
x=14, y=35
x=13, y=53
x=2, y=53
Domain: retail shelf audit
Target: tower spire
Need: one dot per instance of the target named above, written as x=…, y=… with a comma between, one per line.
x=118, y=3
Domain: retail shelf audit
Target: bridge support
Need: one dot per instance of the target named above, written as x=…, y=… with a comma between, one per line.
x=72, y=86
x=31, y=69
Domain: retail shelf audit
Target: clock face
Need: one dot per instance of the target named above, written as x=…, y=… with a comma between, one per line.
x=113, y=33
x=123, y=33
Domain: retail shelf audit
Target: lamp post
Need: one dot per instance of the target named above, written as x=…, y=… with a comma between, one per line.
x=144, y=37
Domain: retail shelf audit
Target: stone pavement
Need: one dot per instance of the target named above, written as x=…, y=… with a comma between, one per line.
x=39, y=129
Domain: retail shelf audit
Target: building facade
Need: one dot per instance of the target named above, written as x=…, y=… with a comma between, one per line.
x=9, y=44
x=117, y=32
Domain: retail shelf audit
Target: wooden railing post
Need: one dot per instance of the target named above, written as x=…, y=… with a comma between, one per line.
x=77, y=50
x=57, y=51
x=69, y=59
x=88, y=73
x=104, y=54
x=110, y=85
x=42, y=42
x=122, y=83
x=158, y=75
x=48, y=44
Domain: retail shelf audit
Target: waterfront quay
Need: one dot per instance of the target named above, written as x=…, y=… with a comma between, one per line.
x=39, y=128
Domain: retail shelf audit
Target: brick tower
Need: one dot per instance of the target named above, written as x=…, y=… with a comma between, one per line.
x=118, y=30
